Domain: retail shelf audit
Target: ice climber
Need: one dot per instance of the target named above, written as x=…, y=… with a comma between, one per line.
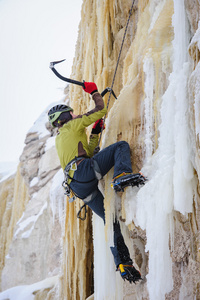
x=83, y=170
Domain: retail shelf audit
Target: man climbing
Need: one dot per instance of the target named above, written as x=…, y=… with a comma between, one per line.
x=83, y=170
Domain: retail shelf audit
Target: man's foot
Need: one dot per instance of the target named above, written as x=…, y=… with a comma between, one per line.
x=129, y=273
x=127, y=179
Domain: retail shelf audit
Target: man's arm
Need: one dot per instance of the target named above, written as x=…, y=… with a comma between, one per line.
x=98, y=112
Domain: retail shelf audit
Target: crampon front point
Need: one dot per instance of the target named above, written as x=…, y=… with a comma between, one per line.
x=129, y=273
x=122, y=181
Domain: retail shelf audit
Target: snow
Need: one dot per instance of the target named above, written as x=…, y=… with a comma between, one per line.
x=50, y=143
x=34, y=181
x=26, y=223
x=25, y=292
x=39, y=124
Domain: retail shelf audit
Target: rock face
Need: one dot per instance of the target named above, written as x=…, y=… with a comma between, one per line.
x=157, y=113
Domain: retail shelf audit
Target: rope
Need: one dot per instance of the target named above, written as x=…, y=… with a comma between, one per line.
x=130, y=13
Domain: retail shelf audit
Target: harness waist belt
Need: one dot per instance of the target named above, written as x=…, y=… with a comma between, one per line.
x=72, y=162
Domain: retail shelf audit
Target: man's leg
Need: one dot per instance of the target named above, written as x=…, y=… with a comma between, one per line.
x=97, y=204
x=122, y=258
x=117, y=155
x=120, y=251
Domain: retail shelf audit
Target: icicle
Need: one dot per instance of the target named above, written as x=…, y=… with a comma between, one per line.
x=183, y=170
x=148, y=105
x=57, y=198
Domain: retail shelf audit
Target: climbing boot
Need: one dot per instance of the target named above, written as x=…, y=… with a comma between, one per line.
x=129, y=273
x=127, y=179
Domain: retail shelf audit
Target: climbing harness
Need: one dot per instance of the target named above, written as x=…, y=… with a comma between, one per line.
x=72, y=165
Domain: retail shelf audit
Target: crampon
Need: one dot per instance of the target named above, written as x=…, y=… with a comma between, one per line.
x=122, y=181
x=129, y=273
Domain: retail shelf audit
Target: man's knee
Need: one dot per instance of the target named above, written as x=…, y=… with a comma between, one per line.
x=123, y=144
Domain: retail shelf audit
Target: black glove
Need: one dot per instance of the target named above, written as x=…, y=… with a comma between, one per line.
x=96, y=129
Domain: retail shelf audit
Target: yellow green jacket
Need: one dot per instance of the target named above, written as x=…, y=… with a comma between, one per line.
x=72, y=141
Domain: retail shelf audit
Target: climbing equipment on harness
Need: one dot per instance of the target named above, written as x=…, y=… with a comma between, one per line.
x=72, y=165
x=79, y=213
x=86, y=200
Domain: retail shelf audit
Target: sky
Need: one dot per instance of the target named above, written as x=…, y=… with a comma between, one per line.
x=32, y=34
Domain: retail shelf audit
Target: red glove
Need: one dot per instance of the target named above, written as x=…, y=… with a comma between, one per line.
x=90, y=87
x=96, y=129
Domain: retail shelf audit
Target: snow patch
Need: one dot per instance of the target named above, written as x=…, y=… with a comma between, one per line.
x=50, y=143
x=31, y=220
x=26, y=292
x=39, y=124
x=34, y=181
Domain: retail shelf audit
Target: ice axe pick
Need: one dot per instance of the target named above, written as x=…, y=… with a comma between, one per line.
x=51, y=66
x=53, y=63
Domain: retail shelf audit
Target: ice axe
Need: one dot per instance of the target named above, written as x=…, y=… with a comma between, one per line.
x=53, y=63
x=51, y=66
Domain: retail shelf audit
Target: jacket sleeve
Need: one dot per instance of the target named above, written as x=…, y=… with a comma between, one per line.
x=93, y=142
x=95, y=114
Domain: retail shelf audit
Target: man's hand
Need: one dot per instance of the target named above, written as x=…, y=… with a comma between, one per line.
x=90, y=87
x=96, y=129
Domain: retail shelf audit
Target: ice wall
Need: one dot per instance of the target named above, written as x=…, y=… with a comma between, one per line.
x=157, y=113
